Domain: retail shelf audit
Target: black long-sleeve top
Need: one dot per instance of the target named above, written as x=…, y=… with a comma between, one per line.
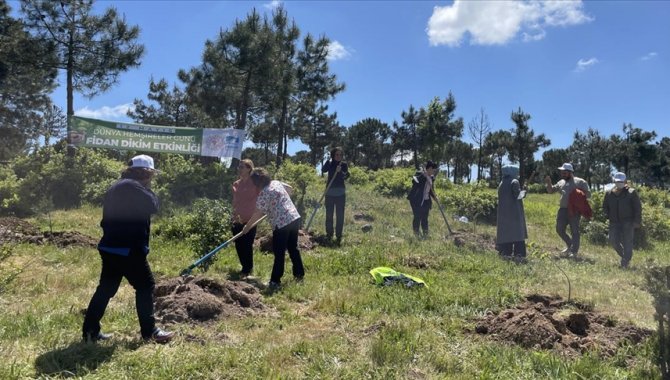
x=331, y=166
x=126, y=217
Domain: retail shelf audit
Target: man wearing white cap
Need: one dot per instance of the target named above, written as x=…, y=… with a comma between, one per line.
x=623, y=208
x=567, y=185
x=126, y=222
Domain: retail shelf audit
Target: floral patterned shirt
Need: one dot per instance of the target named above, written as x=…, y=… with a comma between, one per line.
x=275, y=202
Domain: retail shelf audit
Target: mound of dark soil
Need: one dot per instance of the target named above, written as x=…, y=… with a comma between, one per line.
x=547, y=322
x=15, y=230
x=305, y=242
x=200, y=299
x=473, y=240
x=70, y=238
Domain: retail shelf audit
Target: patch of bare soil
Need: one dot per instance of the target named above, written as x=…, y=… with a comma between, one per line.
x=471, y=239
x=548, y=322
x=200, y=299
x=361, y=217
x=306, y=242
x=15, y=230
x=418, y=262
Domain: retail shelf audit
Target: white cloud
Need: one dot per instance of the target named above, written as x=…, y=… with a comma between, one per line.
x=273, y=4
x=500, y=21
x=584, y=64
x=105, y=112
x=649, y=56
x=337, y=51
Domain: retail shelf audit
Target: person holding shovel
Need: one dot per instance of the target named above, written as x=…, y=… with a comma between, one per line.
x=511, y=231
x=420, y=198
x=244, y=204
x=274, y=201
x=126, y=222
x=336, y=197
x=623, y=209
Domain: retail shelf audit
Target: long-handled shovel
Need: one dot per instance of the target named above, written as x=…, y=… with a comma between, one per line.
x=188, y=270
x=318, y=205
x=443, y=216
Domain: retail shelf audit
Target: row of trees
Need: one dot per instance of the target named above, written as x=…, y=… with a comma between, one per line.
x=259, y=75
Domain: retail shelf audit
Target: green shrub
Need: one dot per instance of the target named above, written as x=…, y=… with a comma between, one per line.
x=655, y=222
x=300, y=176
x=9, y=191
x=595, y=231
x=393, y=182
x=476, y=202
x=536, y=188
x=358, y=176
x=443, y=183
x=653, y=197
x=206, y=226
x=8, y=272
x=50, y=178
x=184, y=179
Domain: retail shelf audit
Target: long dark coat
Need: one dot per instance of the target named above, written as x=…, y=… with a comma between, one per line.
x=511, y=226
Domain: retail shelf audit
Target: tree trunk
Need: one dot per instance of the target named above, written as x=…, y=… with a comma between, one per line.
x=243, y=107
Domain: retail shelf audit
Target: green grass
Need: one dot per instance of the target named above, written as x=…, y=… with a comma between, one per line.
x=336, y=324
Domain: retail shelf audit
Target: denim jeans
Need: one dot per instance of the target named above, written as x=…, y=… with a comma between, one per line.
x=621, y=238
x=135, y=268
x=562, y=222
x=282, y=239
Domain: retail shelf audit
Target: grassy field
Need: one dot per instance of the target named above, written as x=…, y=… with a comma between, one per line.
x=336, y=324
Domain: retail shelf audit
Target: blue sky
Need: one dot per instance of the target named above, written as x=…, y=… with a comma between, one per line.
x=571, y=65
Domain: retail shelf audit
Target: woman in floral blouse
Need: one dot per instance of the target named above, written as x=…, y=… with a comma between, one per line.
x=275, y=202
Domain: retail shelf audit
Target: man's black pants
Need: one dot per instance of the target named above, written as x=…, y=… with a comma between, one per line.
x=135, y=268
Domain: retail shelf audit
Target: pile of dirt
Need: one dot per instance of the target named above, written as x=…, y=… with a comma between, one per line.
x=473, y=240
x=306, y=242
x=15, y=230
x=201, y=299
x=548, y=322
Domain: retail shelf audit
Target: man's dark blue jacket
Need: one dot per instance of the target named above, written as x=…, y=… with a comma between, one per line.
x=126, y=217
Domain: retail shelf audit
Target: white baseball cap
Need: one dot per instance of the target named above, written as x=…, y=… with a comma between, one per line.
x=142, y=161
x=619, y=177
x=567, y=167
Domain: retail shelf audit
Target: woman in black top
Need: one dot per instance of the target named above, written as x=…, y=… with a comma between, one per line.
x=337, y=171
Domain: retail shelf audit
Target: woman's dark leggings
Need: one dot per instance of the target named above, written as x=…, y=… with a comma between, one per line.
x=421, y=217
x=336, y=205
x=282, y=239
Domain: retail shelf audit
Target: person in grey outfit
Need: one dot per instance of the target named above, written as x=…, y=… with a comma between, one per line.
x=511, y=231
x=567, y=185
x=623, y=209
